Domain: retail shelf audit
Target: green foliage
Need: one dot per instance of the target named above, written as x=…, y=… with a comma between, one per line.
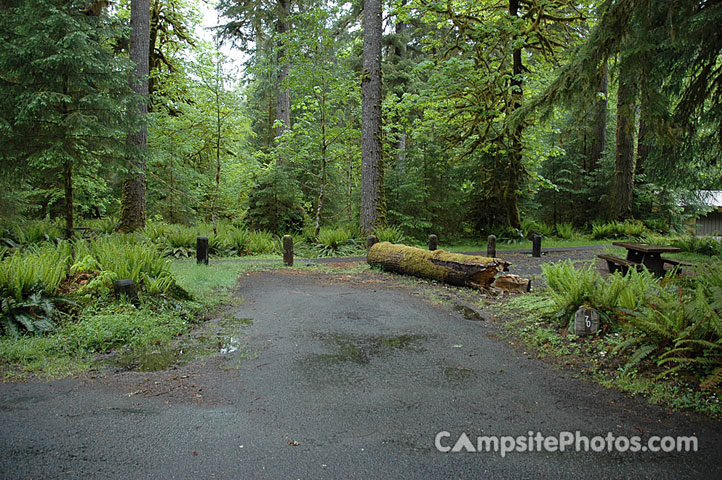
x=391, y=234
x=531, y=227
x=703, y=245
x=567, y=231
x=261, y=242
x=34, y=315
x=675, y=324
x=64, y=88
x=36, y=231
x=571, y=287
x=29, y=284
x=275, y=204
x=125, y=257
x=616, y=229
x=338, y=241
x=38, y=270
x=125, y=326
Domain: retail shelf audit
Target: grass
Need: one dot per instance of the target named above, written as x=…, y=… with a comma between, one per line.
x=480, y=246
x=72, y=349
x=210, y=284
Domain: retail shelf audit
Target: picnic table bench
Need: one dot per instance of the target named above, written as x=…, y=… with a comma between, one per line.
x=641, y=255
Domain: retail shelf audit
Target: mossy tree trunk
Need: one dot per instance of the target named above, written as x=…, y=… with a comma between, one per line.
x=452, y=268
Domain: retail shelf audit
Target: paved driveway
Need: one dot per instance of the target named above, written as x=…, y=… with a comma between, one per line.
x=337, y=377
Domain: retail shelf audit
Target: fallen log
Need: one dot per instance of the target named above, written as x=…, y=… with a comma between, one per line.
x=452, y=268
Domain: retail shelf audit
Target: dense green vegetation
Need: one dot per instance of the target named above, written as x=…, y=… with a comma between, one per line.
x=581, y=121
x=661, y=337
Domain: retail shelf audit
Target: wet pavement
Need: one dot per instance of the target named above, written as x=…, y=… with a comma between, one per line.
x=335, y=376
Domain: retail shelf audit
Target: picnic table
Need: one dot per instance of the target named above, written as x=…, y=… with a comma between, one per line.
x=641, y=255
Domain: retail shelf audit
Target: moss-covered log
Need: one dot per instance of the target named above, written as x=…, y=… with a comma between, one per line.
x=451, y=268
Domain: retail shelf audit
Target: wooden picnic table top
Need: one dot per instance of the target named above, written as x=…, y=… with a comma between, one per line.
x=646, y=247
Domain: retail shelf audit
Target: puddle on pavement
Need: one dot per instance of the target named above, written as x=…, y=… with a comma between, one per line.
x=458, y=375
x=223, y=338
x=361, y=349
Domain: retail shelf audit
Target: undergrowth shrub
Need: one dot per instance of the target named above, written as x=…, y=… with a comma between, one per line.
x=392, y=234
x=703, y=245
x=567, y=231
x=29, y=283
x=337, y=241
x=120, y=257
x=673, y=324
x=616, y=229
x=531, y=227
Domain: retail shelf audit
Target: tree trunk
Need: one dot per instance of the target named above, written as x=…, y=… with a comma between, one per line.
x=324, y=163
x=599, y=136
x=283, y=100
x=452, y=268
x=599, y=122
x=373, y=204
x=69, y=204
x=643, y=146
x=515, y=153
x=132, y=210
x=218, y=89
x=624, y=162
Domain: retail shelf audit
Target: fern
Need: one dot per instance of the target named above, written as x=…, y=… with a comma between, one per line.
x=713, y=379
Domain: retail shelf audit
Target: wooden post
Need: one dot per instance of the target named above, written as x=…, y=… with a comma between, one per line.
x=371, y=240
x=202, y=250
x=491, y=246
x=126, y=288
x=433, y=242
x=536, y=246
x=288, y=250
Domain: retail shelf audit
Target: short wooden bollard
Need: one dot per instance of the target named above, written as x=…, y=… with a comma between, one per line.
x=536, y=246
x=371, y=240
x=128, y=289
x=288, y=250
x=586, y=321
x=491, y=246
x=433, y=242
x=202, y=250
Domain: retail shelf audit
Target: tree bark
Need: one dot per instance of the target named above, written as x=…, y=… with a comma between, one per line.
x=599, y=121
x=69, y=204
x=132, y=210
x=324, y=163
x=624, y=161
x=599, y=136
x=373, y=204
x=643, y=146
x=452, y=268
x=515, y=152
x=283, y=99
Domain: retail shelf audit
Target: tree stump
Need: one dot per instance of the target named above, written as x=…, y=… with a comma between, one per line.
x=536, y=246
x=491, y=246
x=433, y=242
x=371, y=240
x=512, y=284
x=202, y=250
x=288, y=250
x=452, y=268
x=128, y=289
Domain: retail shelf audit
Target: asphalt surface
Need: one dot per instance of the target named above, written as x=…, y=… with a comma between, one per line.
x=337, y=377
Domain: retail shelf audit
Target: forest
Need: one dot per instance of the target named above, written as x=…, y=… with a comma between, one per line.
x=483, y=117
x=129, y=128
